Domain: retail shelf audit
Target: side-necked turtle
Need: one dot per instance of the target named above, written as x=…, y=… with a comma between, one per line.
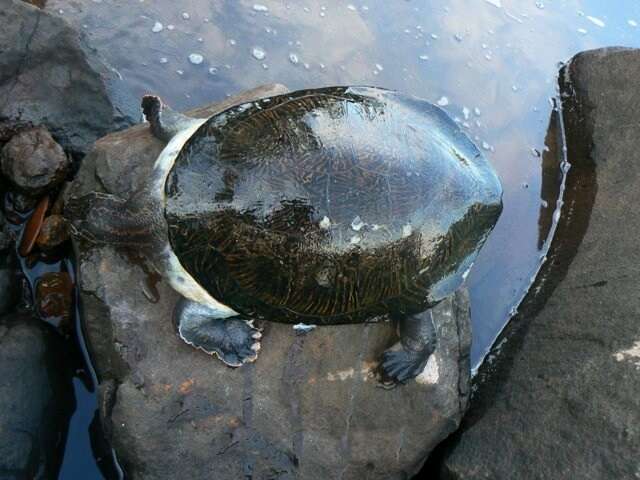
x=326, y=206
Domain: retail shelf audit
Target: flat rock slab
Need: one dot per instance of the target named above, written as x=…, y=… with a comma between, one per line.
x=562, y=401
x=48, y=76
x=309, y=408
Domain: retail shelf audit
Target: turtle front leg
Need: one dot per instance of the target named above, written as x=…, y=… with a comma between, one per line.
x=233, y=340
x=407, y=358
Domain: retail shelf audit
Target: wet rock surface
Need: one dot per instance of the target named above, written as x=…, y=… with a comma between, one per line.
x=33, y=161
x=36, y=398
x=9, y=291
x=310, y=406
x=561, y=399
x=47, y=78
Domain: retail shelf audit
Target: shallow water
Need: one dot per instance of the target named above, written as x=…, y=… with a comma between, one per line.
x=492, y=64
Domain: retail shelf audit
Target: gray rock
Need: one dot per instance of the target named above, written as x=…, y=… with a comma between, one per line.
x=33, y=161
x=36, y=399
x=48, y=76
x=561, y=399
x=310, y=406
x=9, y=283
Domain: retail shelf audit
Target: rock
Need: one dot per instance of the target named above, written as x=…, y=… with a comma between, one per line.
x=42, y=59
x=33, y=161
x=310, y=406
x=9, y=284
x=23, y=203
x=54, y=297
x=33, y=227
x=36, y=399
x=53, y=232
x=561, y=399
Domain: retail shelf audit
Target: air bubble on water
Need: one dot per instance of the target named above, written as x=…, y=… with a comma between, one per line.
x=260, y=8
x=323, y=66
x=170, y=27
x=293, y=58
x=632, y=23
x=535, y=152
x=322, y=14
x=213, y=70
x=298, y=43
x=488, y=56
x=458, y=37
x=379, y=67
x=157, y=27
x=351, y=7
x=513, y=311
x=424, y=57
x=258, y=53
x=582, y=31
x=265, y=66
x=466, y=113
x=434, y=36
x=514, y=88
x=196, y=58
x=357, y=224
x=407, y=31
x=443, y=101
x=306, y=9
x=205, y=20
x=323, y=7
x=355, y=239
x=544, y=203
x=484, y=46
x=306, y=66
x=179, y=72
x=232, y=42
x=596, y=21
x=525, y=185
x=495, y=3
x=407, y=230
x=365, y=8
x=486, y=146
x=186, y=16
x=163, y=60
x=200, y=39
x=540, y=5
x=476, y=111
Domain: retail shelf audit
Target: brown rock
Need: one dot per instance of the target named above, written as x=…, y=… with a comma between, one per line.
x=33, y=226
x=33, y=161
x=54, y=232
x=54, y=299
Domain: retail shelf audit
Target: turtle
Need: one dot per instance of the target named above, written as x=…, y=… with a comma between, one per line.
x=334, y=205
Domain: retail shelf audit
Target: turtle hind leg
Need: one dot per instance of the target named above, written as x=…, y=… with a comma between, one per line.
x=408, y=358
x=233, y=340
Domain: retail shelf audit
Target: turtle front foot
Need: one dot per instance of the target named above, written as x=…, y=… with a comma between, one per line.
x=408, y=358
x=233, y=340
x=400, y=365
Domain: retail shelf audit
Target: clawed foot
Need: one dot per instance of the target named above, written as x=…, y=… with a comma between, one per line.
x=233, y=340
x=400, y=365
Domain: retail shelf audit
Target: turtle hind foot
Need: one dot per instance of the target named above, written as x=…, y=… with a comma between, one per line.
x=233, y=340
x=400, y=365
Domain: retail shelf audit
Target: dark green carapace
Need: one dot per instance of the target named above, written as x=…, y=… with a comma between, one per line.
x=333, y=205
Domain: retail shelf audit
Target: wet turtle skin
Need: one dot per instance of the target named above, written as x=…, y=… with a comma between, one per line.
x=330, y=206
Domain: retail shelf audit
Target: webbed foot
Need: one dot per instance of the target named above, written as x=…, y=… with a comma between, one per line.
x=408, y=358
x=233, y=340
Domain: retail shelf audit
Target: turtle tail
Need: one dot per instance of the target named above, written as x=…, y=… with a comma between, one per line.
x=102, y=218
x=164, y=122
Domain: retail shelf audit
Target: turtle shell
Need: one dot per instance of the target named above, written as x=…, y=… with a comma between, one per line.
x=332, y=205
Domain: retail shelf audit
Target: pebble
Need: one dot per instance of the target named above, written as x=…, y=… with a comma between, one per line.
x=33, y=161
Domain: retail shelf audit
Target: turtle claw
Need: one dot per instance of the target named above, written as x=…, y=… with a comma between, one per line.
x=401, y=365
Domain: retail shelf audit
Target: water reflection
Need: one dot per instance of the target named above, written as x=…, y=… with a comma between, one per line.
x=494, y=62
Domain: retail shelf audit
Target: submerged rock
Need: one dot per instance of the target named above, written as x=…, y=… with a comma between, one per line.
x=33, y=161
x=561, y=398
x=309, y=407
x=36, y=399
x=42, y=60
x=53, y=232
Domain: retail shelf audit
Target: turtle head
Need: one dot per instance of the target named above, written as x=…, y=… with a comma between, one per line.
x=101, y=218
